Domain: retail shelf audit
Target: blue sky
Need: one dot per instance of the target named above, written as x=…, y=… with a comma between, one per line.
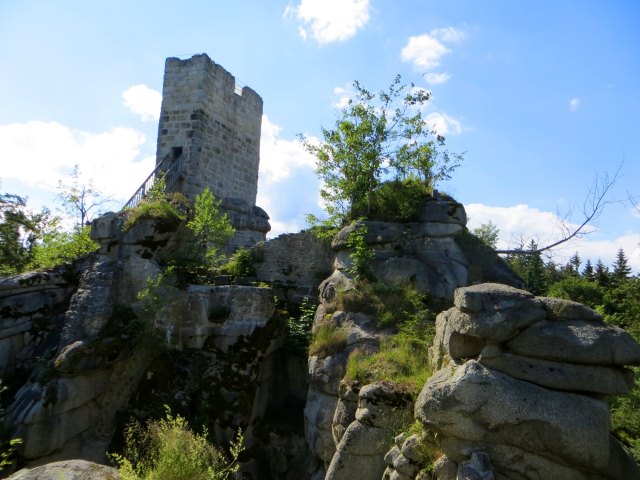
x=542, y=96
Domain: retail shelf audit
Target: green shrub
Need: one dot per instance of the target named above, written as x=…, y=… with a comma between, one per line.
x=361, y=254
x=240, y=264
x=577, y=289
x=392, y=304
x=59, y=247
x=211, y=228
x=398, y=200
x=168, y=449
x=328, y=340
x=625, y=417
x=299, y=329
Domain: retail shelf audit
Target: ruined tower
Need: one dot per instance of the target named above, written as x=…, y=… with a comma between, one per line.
x=214, y=125
x=209, y=131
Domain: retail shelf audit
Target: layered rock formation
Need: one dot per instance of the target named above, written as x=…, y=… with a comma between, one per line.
x=97, y=345
x=435, y=255
x=521, y=381
x=519, y=392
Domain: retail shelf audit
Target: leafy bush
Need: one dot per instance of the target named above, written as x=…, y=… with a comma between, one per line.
x=211, y=228
x=398, y=200
x=58, y=247
x=299, y=328
x=328, y=340
x=168, y=449
x=240, y=264
x=362, y=255
x=625, y=417
x=577, y=289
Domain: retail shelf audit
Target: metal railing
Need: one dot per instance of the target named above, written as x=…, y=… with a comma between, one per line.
x=169, y=169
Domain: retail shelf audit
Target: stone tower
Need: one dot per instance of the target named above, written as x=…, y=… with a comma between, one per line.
x=211, y=127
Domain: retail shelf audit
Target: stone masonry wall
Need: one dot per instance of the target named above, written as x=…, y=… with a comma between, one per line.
x=216, y=129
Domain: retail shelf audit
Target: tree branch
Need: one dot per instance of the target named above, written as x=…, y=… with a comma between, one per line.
x=593, y=206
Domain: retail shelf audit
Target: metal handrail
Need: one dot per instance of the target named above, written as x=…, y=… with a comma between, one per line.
x=169, y=169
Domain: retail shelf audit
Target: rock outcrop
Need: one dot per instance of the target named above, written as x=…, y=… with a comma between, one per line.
x=32, y=309
x=68, y=470
x=98, y=345
x=521, y=381
x=434, y=254
x=382, y=408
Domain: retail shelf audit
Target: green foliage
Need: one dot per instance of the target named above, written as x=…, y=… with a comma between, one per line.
x=362, y=255
x=157, y=204
x=168, y=449
x=157, y=294
x=7, y=445
x=616, y=296
x=530, y=266
x=211, y=228
x=328, y=340
x=58, y=247
x=240, y=264
x=299, y=328
x=397, y=200
x=621, y=268
x=80, y=199
x=20, y=231
x=377, y=136
x=394, y=305
x=577, y=289
x=621, y=305
x=401, y=359
x=625, y=417
x=324, y=229
x=488, y=234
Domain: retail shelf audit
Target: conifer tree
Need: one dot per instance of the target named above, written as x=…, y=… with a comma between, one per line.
x=534, y=275
x=601, y=273
x=621, y=268
x=588, y=272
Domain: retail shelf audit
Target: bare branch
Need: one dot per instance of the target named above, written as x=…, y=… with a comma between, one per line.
x=595, y=202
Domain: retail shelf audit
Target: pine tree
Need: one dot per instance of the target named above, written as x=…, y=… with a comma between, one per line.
x=601, y=273
x=534, y=272
x=588, y=273
x=572, y=268
x=621, y=268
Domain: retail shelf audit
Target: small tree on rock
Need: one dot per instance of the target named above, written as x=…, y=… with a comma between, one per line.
x=377, y=136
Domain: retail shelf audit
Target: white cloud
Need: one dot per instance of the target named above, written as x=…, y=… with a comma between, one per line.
x=426, y=51
x=279, y=158
x=330, y=20
x=143, y=101
x=520, y=224
x=443, y=124
x=344, y=94
x=448, y=34
x=436, y=78
x=285, y=166
x=43, y=153
x=574, y=104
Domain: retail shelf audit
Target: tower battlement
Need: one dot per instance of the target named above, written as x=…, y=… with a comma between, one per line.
x=212, y=126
